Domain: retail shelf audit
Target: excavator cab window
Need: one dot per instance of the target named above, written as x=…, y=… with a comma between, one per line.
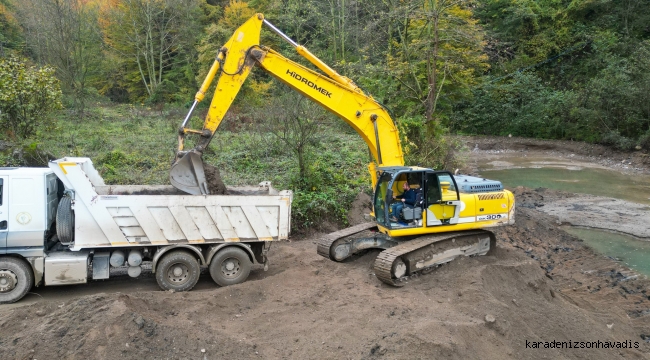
x=433, y=189
x=382, y=192
x=441, y=197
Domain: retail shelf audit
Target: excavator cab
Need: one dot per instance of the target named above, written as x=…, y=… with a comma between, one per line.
x=437, y=199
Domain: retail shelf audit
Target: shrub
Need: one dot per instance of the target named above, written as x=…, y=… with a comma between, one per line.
x=613, y=138
x=28, y=95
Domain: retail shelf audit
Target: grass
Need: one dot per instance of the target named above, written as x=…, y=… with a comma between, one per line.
x=135, y=145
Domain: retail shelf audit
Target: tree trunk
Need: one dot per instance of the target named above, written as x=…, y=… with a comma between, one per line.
x=433, y=74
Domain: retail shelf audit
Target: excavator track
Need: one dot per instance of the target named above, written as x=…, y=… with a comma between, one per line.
x=395, y=265
x=325, y=243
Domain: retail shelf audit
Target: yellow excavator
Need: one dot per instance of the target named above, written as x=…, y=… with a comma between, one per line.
x=446, y=219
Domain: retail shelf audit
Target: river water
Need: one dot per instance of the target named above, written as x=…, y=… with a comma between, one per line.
x=566, y=176
x=580, y=178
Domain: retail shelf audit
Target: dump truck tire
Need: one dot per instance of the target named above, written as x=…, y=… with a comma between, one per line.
x=178, y=271
x=16, y=279
x=65, y=221
x=230, y=266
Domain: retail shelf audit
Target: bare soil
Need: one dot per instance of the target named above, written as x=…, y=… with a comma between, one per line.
x=216, y=185
x=540, y=285
x=359, y=209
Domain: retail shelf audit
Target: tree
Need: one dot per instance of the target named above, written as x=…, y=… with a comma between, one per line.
x=28, y=95
x=440, y=47
x=10, y=33
x=215, y=36
x=64, y=34
x=291, y=118
x=153, y=39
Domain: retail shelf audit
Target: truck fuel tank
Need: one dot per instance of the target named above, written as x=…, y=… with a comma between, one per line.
x=63, y=268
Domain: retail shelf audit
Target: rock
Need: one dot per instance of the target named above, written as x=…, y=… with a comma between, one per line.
x=139, y=321
x=490, y=319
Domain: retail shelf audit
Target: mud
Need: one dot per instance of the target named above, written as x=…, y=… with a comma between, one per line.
x=213, y=177
x=591, y=211
x=539, y=285
x=359, y=209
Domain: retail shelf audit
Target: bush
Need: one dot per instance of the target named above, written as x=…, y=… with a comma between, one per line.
x=428, y=144
x=28, y=95
x=614, y=139
x=644, y=140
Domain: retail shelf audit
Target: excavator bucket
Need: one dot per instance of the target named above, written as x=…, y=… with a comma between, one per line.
x=187, y=174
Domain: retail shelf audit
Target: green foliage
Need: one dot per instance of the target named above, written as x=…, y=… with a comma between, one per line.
x=428, y=144
x=617, y=141
x=71, y=44
x=11, y=36
x=521, y=106
x=644, y=141
x=586, y=72
x=109, y=165
x=151, y=47
x=333, y=179
x=28, y=95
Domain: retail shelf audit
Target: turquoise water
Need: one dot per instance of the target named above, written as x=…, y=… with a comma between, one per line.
x=633, y=252
x=635, y=188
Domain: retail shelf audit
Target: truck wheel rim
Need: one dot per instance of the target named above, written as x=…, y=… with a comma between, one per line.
x=178, y=273
x=8, y=280
x=230, y=267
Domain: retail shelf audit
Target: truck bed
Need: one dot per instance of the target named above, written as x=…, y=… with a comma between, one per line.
x=140, y=215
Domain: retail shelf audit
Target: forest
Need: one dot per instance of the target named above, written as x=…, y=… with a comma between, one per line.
x=113, y=79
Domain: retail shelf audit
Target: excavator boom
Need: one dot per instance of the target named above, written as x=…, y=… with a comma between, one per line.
x=334, y=92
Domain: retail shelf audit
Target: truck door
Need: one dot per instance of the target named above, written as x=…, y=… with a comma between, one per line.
x=4, y=213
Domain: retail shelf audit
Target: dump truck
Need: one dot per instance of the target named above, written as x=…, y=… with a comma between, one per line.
x=62, y=225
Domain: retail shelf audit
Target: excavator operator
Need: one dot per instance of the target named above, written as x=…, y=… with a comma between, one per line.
x=408, y=199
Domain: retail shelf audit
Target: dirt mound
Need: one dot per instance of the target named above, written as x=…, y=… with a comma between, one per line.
x=360, y=207
x=113, y=326
x=213, y=177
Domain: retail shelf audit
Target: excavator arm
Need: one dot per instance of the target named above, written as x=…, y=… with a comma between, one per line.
x=334, y=92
